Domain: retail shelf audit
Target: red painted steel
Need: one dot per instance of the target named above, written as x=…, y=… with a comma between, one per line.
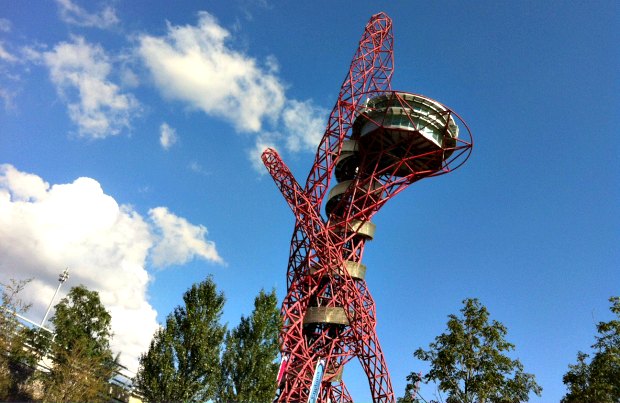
x=386, y=158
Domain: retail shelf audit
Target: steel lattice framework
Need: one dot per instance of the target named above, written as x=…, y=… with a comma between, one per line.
x=377, y=142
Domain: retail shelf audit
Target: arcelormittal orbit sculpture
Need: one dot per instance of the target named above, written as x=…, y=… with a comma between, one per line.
x=377, y=142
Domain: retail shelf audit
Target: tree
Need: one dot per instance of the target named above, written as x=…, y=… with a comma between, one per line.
x=78, y=375
x=411, y=389
x=80, y=317
x=599, y=380
x=248, y=368
x=182, y=362
x=83, y=361
x=469, y=364
x=12, y=340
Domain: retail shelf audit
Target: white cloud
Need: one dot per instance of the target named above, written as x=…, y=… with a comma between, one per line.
x=6, y=56
x=167, y=136
x=71, y=13
x=24, y=187
x=194, y=64
x=80, y=72
x=304, y=124
x=263, y=141
x=10, y=72
x=179, y=241
x=33, y=53
x=129, y=78
x=106, y=246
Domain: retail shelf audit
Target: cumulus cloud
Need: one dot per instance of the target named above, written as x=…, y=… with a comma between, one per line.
x=194, y=64
x=106, y=246
x=197, y=65
x=72, y=13
x=167, y=136
x=80, y=73
x=179, y=241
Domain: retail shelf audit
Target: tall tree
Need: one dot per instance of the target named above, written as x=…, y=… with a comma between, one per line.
x=83, y=361
x=182, y=362
x=599, y=380
x=469, y=364
x=248, y=364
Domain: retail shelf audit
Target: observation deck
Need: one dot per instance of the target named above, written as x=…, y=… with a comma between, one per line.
x=401, y=133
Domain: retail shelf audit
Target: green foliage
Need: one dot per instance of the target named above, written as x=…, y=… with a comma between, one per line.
x=83, y=361
x=599, y=380
x=182, y=362
x=40, y=342
x=80, y=317
x=11, y=338
x=78, y=375
x=411, y=389
x=468, y=361
x=248, y=367
x=183, y=359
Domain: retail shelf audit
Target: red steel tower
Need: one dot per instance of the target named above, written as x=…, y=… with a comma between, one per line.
x=377, y=142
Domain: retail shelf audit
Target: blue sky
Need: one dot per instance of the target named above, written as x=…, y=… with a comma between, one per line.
x=129, y=136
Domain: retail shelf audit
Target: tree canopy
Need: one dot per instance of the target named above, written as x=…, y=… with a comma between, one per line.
x=469, y=364
x=248, y=364
x=83, y=361
x=598, y=380
x=81, y=318
x=193, y=358
x=182, y=362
